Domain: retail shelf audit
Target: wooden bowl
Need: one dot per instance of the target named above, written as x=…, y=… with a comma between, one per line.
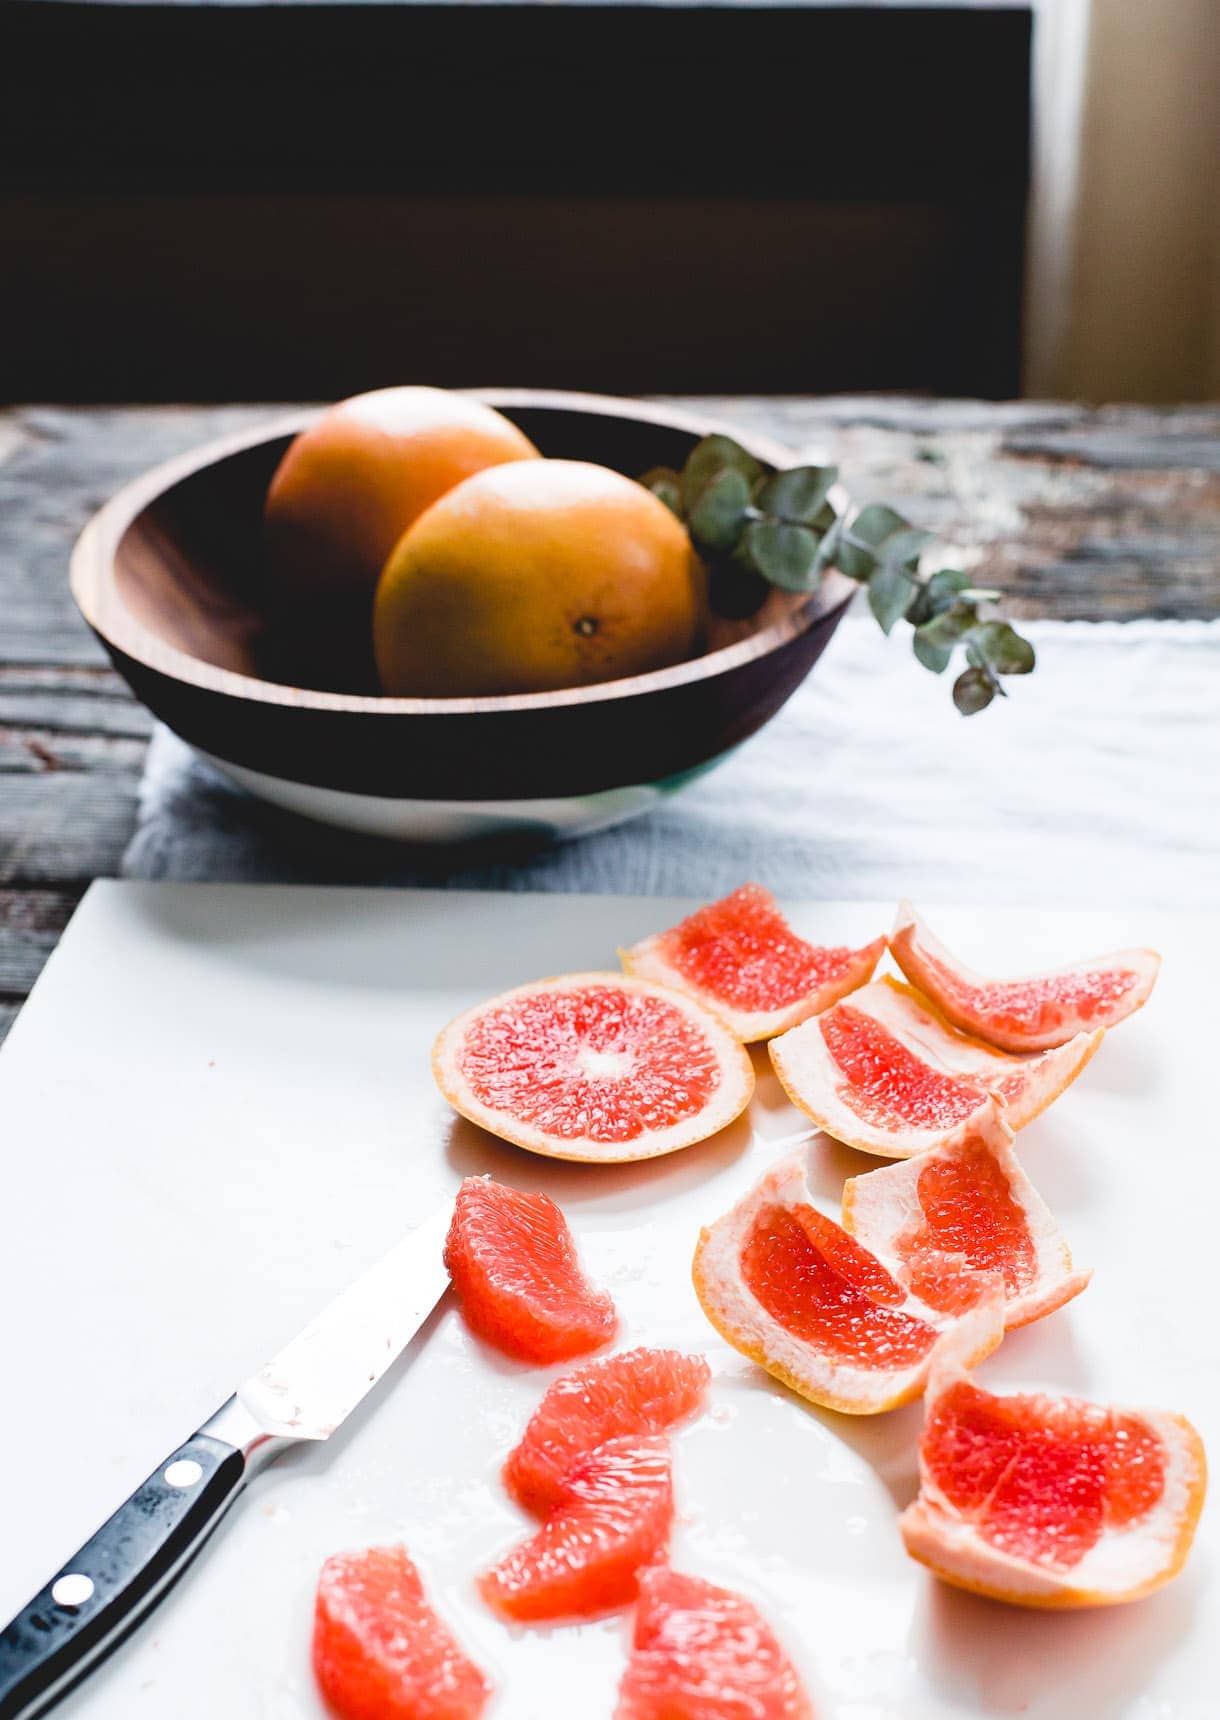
x=169, y=576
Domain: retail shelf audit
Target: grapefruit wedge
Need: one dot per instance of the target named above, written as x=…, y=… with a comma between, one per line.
x=1031, y=1013
x=379, y=1650
x=704, y=1653
x=517, y=1277
x=594, y=1066
x=741, y=958
x=1050, y=1501
x=611, y=1515
x=961, y=1210
x=638, y=1392
x=883, y=1072
x=793, y=1291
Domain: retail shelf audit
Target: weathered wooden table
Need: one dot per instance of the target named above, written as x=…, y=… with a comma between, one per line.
x=1075, y=513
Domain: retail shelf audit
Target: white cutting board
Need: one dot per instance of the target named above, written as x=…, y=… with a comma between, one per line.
x=217, y=1110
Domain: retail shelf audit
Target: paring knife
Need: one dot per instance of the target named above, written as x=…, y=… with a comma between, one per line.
x=305, y=1393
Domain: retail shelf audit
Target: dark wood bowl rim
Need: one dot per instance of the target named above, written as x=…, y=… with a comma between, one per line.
x=91, y=577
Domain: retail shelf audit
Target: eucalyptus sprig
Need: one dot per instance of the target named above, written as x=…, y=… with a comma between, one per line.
x=756, y=529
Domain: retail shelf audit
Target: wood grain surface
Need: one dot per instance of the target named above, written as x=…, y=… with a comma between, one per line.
x=1095, y=514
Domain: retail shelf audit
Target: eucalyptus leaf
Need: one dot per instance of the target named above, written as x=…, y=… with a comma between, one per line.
x=863, y=538
x=798, y=494
x=666, y=485
x=713, y=455
x=718, y=516
x=890, y=590
x=932, y=656
x=828, y=549
x=950, y=625
x=825, y=517
x=781, y=553
x=1003, y=647
x=903, y=548
x=973, y=691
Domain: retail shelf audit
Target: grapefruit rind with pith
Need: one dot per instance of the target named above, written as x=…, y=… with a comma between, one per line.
x=1033, y=1012
x=1121, y=1562
x=594, y=1067
x=963, y=1209
x=876, y=1341
x=740, y=959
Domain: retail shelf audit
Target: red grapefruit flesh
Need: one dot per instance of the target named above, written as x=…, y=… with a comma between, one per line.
x=379, y=1650
x=1050, y=1501
x=740, y=957
x=517, y=1277
x=704, y=1653
x=594, y=1066
x=1031, y=1013
x=794, y=1292
x=963, y=1210
x=611, y=1515
x=883, y=1072
x=636, y=1393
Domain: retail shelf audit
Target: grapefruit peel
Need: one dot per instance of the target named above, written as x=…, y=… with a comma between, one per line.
x=965, y=1208
x=883, y=1072
x=594, y=1067
x=797, y=1294
x=1033, y=1012
x=740, y=958
x=1139, y=1514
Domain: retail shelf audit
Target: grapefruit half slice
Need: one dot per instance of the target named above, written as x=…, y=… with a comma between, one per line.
x=793, y=1291
x=594, y=1066
x=1031, y=1013
x=741, y=958
x=1050, y=1501
x=380, y=1650
x=517, y=1277
x=704, y=1653
x=638, y=1392
x=967, y=1208
x=611, y=1515
x=883, y=1072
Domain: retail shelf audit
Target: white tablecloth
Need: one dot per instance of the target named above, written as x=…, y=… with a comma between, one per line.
x=1096, y=782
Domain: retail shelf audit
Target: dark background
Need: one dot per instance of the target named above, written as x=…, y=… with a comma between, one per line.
x=298, y=201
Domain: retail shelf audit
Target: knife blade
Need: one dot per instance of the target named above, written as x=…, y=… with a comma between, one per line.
x=305, y=1392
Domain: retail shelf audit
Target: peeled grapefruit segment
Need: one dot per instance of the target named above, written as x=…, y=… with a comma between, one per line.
x=517, y=1277
x=883, y=1072
x=961, y=1210
x=636, y=1393
x=789, y=1288
x=704, y=1653
x=594, y=1066
x=379, y=1650
x=740, y=957
x=1031, y=1013
x=611, y=1515
x=1050, y=1501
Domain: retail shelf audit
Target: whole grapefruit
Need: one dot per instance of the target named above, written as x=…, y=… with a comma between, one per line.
x=534, y=576
x=346, y=491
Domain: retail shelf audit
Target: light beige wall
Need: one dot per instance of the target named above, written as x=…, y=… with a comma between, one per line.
x=1123, y=299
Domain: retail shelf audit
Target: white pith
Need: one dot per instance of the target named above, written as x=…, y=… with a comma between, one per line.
x=735, y=1311
x=727, y=1102
x=918, y=953
x=883, y=1204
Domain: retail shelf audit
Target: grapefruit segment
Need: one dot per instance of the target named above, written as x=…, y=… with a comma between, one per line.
x=961, y=1210
x=1050, y=1501
x=639, y=1392
x=611, y=1515
x=594, y=1066
x=883, y=1072
x=517, y=1277
x=704, y=1653
x=794, y=1292
x=1031, y=1013
x=379, y=1650
x=740, y=958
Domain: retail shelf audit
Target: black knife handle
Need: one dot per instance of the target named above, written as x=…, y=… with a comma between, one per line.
x=118, y=1575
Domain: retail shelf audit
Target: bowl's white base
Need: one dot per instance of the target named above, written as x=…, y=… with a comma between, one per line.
x=450, y=821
